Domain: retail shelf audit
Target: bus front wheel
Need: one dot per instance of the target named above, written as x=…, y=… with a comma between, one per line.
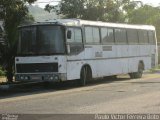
x=85, y=75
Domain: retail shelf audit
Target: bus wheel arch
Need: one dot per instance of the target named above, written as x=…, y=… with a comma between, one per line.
x=85, y=74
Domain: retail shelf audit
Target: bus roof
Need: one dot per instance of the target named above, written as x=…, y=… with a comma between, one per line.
x=79, y=22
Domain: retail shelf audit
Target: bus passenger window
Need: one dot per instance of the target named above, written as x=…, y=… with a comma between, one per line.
x=92, y=35
x=88, y=34
x=96, y=37
x=120, y=36
x=132, y=35
x=107, y=35
x=78, y=35
x=143, y=36
x=151, y=37
x=110, y=35
x=146, y=36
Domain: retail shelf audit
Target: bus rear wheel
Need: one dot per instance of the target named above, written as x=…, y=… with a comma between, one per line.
x=137, y=74
x=85, y=75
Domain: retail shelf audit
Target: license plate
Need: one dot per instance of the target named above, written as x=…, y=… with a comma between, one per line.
x=36, y=77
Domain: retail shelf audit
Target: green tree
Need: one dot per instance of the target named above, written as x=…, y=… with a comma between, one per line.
x=14, y=13
x=147, y=15
x=102, y=10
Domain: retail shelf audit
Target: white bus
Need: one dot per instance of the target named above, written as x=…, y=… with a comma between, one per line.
x=73, y=49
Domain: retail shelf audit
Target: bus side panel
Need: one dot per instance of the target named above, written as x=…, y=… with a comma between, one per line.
x=144, y=50
x=109, y=51
x=122, y=51
x=147, y=62
x=111, y=67
x=74, y=65
x=133, y=65
x=133, y=50
x=73, y=69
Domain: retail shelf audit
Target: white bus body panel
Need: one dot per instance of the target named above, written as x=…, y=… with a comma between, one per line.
x=120, y=59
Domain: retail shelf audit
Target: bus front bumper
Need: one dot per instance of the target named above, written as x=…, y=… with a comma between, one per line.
x=40, y=77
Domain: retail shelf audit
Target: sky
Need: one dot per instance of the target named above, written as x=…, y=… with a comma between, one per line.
x=42, y=3
x=151, y=2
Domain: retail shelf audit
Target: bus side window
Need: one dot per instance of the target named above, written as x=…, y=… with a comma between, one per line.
x=74, y=40
x=120, y=36
x=143, y=37
x=88, y=34
x=107, y=35
x=146, y=37
x=74, y=35
x=132, y=35
x=151, y=37
x=77, y=35
x=92, y=34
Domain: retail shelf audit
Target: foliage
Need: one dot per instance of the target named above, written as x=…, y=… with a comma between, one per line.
x=101, y=10
x=2, y=73
x=14, y=13
x=147, y=15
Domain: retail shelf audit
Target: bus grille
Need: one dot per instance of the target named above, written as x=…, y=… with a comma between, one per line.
x=37, y=67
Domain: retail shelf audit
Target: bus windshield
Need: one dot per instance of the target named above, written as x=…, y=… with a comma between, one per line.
x=41, y=40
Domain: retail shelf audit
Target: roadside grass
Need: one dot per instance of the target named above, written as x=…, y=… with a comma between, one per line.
x=2, y=72
x=155, y=69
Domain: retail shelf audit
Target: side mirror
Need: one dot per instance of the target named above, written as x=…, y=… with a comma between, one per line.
x=69, y=34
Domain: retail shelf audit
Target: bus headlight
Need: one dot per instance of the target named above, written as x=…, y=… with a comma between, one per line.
x=26, y=77
x=22, y=77
x=56, y=77
x=51, y=78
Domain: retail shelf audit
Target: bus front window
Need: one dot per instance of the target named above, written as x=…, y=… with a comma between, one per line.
x=41, y=40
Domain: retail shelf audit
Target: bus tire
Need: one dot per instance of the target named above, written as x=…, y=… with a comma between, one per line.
x=85, y=75
x=139, y=73
x=131, y=75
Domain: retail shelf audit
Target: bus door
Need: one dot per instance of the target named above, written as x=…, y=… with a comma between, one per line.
x=75, y=52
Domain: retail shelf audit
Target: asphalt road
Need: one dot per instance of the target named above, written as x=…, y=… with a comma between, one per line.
x=121, y=95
